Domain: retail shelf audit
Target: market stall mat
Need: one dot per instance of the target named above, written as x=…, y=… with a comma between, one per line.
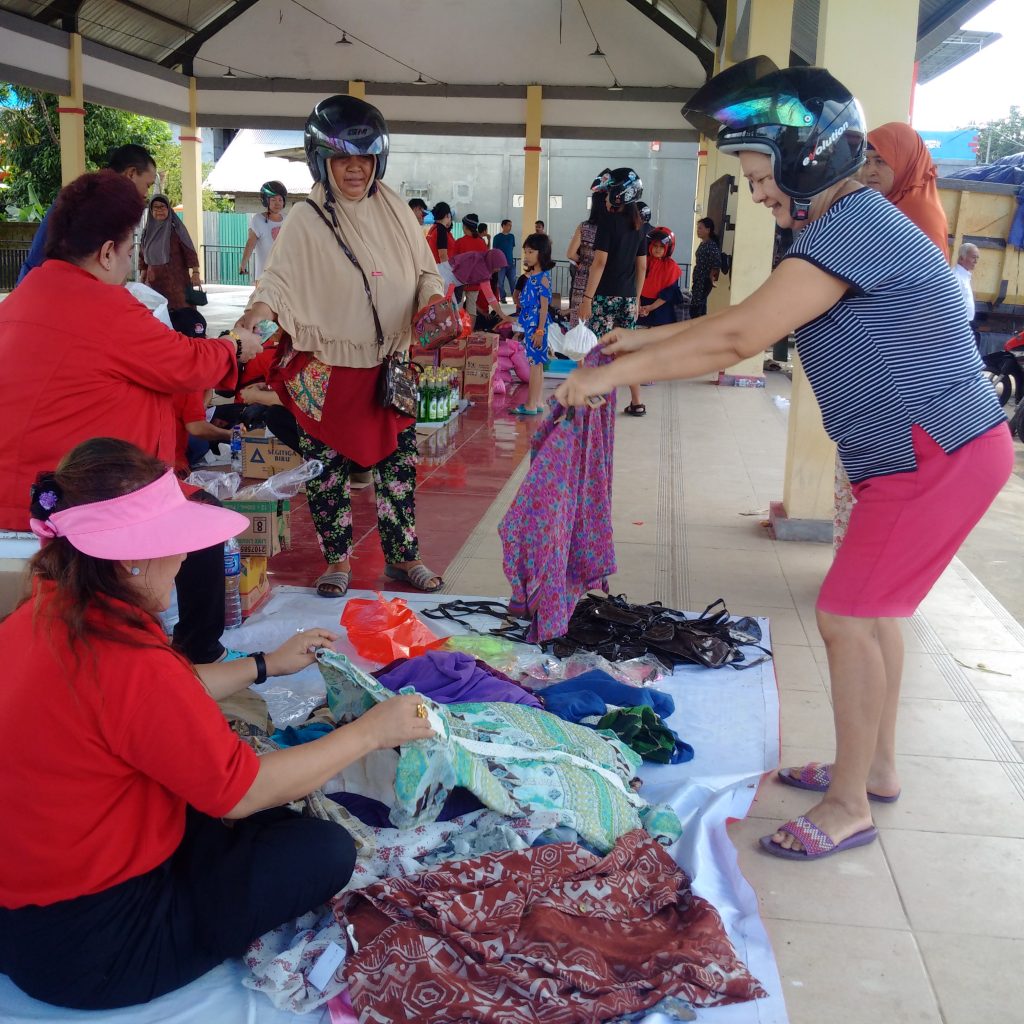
x=730, y=718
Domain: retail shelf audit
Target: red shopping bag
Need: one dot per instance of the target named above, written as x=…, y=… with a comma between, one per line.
x=382, y=631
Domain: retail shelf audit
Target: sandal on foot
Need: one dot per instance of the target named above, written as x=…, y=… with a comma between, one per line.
x=638, y=409
x=816, y=843
x=818, y=777
x=419, y=576
x=334, y=584
x=521, y=410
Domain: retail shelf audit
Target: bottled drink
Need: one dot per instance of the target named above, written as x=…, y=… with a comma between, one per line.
x=446, y=398
x=435, y=401
x=236, y=445
x=456, y=394
x=421, y=409
x=232, y=579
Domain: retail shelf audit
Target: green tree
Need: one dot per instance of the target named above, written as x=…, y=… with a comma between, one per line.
x=168, y=162
x=30, y=140
x=1001, y=137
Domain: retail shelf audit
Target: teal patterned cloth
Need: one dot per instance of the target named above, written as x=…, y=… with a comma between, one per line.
x=515, y=759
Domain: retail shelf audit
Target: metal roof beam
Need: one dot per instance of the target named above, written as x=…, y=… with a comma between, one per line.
x=188, y=50
x=66, y=11
x=687, y=36
x=156, y=16
x=945, y=22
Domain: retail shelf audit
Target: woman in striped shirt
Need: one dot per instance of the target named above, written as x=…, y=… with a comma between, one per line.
x=883, y=338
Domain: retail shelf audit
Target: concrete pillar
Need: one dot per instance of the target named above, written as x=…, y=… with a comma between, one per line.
x=531, y=160
x=769, y=32
x=71, y=116
x=192, y=173
x=357, y=88
x=884, y=85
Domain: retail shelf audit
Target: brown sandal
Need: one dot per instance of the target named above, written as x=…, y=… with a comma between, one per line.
x=639, y=409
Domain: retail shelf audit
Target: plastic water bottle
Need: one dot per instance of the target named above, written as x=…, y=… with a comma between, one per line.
x=236, y=445
x=232, y=579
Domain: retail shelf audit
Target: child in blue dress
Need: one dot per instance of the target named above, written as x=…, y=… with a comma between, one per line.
x=534, y=317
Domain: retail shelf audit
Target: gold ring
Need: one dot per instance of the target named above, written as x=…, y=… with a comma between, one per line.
x=421, y=710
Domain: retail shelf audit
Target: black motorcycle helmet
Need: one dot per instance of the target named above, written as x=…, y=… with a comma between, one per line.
x=666, y=236
x=621, y=185
x=645, y=213
x=804, y=119
x=272, y=188
x=345, y=126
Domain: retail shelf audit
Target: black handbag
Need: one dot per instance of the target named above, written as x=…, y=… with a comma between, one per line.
x=398, y=384
x=195, y=296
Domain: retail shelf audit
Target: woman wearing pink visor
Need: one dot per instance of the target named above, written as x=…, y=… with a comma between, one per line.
x=117, y=766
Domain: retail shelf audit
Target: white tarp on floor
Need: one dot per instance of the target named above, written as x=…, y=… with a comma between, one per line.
x=730, y=718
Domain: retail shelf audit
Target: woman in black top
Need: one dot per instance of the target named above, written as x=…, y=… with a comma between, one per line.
x=611, y=297
x=706, y=266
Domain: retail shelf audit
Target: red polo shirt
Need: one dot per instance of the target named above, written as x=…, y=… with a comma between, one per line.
x=86, y=359
x=101, y=755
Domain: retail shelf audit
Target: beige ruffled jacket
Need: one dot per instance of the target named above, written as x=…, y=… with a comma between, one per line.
x=318, y=294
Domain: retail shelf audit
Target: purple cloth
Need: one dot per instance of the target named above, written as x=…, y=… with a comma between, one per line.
x=452, y=677
x=557, y=534
x=477, y=267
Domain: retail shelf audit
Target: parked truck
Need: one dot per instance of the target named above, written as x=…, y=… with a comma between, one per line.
x=982, y=212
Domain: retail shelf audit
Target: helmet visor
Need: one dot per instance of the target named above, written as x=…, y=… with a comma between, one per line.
x=748, y=95
x=344, y=145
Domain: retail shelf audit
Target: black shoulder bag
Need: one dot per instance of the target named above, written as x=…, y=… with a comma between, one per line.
x=397, y=386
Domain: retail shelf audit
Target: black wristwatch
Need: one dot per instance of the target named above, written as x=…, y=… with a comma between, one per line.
x=261, y=667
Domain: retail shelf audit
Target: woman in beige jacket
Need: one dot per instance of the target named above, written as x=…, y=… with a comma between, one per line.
x=348, y=271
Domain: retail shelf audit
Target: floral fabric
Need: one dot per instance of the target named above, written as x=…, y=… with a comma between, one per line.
x=610, y=311
x=330, y=499
x=843, y=506
x=584, y=260
x=513, y=758
x=308, y=388
x=549, y=935
x=557, y=534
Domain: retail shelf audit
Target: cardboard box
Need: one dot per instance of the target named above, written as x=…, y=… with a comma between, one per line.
x=264, y=455
x=253, y=584
x=479, y=374
x=424, y=356
x=270, y=527
x=480, y=340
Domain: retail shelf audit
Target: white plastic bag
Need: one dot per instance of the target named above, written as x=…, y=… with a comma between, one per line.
x=152, y=300
x=576, y=343
x=282, y=485
x=554, y=338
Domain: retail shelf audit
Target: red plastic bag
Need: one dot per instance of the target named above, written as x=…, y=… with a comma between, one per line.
x=467, y=324
x=382, y=631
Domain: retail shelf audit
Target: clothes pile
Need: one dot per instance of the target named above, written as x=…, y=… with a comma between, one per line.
x=508, y=869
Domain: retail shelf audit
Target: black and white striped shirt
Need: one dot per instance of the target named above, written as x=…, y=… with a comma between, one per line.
x=896, y=350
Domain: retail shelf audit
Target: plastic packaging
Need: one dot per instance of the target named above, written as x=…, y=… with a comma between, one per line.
x=232, y=577
x=236, y=445
x=282, y=485
x=382, y=631
x=577, y=342
x=220, y=485
x=496, y=651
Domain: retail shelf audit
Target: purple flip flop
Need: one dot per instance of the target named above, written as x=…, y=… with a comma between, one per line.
x=817, y=778
x=816, y=843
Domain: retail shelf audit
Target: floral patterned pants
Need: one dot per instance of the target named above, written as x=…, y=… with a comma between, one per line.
x=330, y=499
x=610, y=311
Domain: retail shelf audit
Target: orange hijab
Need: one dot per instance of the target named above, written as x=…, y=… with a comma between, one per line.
x=914, y=192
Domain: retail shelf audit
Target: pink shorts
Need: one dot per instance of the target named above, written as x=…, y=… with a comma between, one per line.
x=906, y=527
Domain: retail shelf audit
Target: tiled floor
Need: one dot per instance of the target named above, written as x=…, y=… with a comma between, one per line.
x=926, y=925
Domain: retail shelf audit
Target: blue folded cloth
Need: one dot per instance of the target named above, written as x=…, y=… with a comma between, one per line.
x=590, y=693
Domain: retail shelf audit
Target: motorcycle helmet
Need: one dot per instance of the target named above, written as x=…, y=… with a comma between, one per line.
x=345, y=126
x=807, y=122
x=272, y=188
x=666, y=236
x=645, y=213
x=621, y=185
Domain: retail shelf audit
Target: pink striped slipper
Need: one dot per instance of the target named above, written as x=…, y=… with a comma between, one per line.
x=817, y=777
x=816, y=843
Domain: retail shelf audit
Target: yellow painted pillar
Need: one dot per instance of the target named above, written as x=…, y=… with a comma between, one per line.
x=883, y=84
x=770, y=32
x=357, y=88
x=531, y=160
x=71, y=116
x=192, y=172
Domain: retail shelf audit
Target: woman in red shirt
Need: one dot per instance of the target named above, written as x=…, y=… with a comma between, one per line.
x=118, y=879
x=83, y=358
